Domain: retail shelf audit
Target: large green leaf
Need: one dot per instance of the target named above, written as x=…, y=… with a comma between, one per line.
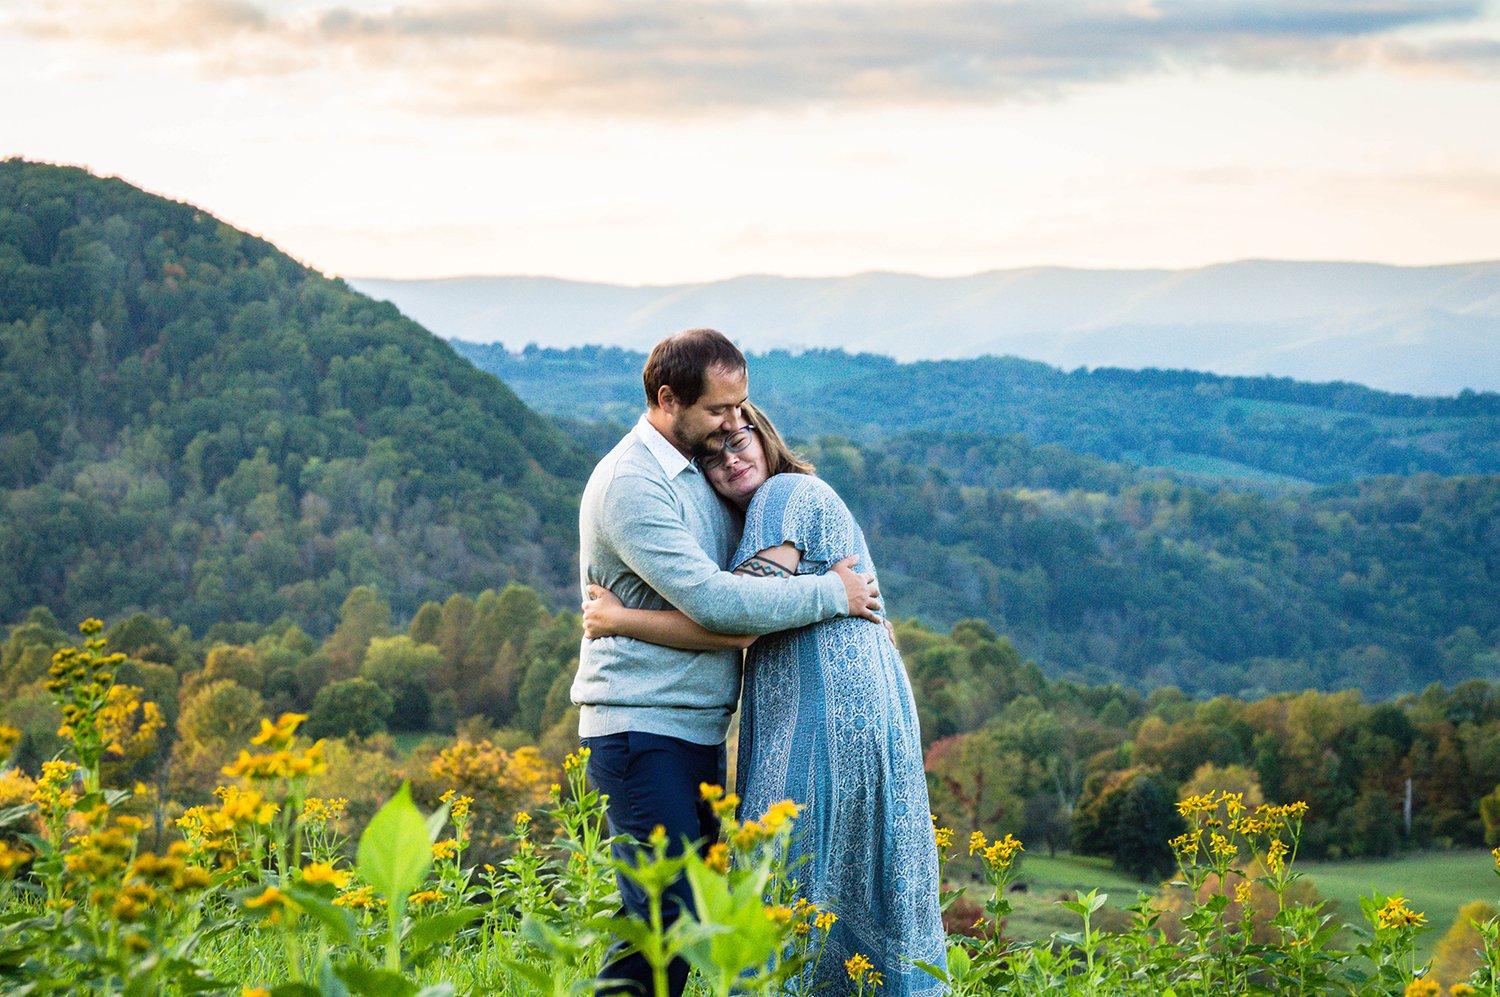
x=435, y=930
x=395, y=851
x=337, y=920
x=367, y=981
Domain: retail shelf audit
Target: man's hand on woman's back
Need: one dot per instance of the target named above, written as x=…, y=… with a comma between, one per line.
x=861, y=588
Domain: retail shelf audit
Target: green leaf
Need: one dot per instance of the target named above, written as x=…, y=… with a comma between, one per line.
x=395, y=851
x=435, y=822
x=338, y=920
x=958, y=962
x=329, y=984
x=934, y=972
x=435, y=930
x=370, y=982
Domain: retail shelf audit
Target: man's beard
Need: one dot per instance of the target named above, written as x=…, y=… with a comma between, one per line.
x=712, y=443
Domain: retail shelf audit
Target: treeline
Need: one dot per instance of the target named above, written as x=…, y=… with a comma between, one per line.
x=1099, y=768
x=1262, y=430
x=495, y=668
x=1385, y=585
x=194, y=425
x=1106, y=572
x=1095, y=768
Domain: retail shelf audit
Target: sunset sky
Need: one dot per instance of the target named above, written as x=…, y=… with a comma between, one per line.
x=659, y=142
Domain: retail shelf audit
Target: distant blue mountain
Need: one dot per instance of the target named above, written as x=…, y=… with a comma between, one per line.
x=1416, y=330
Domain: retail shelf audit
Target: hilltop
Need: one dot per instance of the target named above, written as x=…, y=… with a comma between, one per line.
x=192, y=423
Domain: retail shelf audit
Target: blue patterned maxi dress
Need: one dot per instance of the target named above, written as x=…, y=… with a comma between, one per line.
x=828, y=721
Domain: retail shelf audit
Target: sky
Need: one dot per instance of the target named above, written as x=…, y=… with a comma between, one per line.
x=669, y=141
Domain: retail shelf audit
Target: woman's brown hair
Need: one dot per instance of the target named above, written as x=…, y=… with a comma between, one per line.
x=780, y=458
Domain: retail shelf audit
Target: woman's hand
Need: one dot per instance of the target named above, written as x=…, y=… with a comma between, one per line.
x=599, y=613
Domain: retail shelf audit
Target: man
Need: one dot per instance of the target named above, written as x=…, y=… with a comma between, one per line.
x=652, y=531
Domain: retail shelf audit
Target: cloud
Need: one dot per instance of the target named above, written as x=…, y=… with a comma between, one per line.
x=667, y=57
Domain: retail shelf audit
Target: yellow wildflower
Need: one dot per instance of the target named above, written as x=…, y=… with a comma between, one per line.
x=1222, y=846
x=824, y=921
x=275, y=901
x=944, y=837
x=1395, y=914
x=281, y=734
x=1424, y=986
x=446, y=849
x=324, y=872
x=748, y=835
x=317, y=809
x=244, y=807
x=977, y=842
x=134, y=901
x=54, y=794
x=781, y=915
x=1201, y=804
x=1276, y=856
x=15, y=788
x=780, y=814
x=717, y=858
x=1461, y=990
x=363, y=898
x=858, y=967
x=424, y=897
x=1002, y=853
x=12, y=859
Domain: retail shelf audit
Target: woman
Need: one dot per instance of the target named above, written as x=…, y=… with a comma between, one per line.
x=827, y=720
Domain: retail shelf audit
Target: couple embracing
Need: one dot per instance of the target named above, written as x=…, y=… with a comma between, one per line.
x=701, y=533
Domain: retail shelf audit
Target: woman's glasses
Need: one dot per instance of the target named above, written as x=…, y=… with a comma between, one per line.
x=733, y=443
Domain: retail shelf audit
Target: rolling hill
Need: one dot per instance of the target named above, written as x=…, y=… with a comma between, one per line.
x=1416, y=330
x=192, y=423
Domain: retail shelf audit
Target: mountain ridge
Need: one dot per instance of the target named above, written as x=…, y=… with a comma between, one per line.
x=1418, y=330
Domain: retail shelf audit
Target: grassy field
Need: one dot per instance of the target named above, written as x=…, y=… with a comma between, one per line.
x=1436, y=883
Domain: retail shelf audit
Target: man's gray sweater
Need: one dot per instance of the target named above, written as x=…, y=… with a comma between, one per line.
x=653, y=532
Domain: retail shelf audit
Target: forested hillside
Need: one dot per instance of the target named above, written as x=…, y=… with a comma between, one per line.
x=1112, y=572
x=194, y=424
x=1384, y=585
x=1255, y=430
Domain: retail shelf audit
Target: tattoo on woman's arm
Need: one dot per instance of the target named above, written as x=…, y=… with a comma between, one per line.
x=763, y=567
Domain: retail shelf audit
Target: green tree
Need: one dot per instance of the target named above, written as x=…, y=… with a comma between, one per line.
x=404, y=669
x=1457, y=954
x=363, y=617
x=356, y=707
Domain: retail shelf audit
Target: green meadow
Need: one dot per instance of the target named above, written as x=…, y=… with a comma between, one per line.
x=1436, y=883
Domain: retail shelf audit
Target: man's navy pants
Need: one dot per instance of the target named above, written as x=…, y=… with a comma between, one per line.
x=653, y=779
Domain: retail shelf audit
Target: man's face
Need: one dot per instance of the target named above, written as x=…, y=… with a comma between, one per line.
x=714, y=415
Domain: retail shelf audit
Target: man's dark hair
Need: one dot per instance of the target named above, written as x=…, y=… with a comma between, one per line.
x=681, y=362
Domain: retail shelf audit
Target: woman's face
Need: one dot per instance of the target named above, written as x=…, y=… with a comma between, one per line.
x=736, y=476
